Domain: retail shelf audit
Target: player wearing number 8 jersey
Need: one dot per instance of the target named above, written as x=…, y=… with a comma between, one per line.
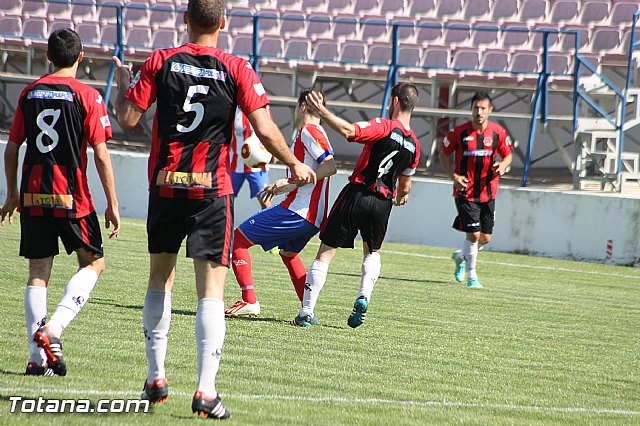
x=391, y=154
x=58, y=117
x=196, y=88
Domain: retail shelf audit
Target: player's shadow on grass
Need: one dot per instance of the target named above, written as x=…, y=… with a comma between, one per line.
x=10, y=373
x=410, y=280
x=98, y=301
x=275, y=320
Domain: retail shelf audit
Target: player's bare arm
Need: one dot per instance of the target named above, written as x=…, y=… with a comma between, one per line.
x=315, y=101
x=11, y=172
x=271, y=137
x=105, y=171
x=459, y=182
x=282, y=186
x=501, y=166
x=404, y=188
x=128, y=113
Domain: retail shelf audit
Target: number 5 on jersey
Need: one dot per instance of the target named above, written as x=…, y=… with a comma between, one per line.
x=198, y=108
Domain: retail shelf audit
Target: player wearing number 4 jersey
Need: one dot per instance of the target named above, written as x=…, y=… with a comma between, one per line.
x=391, y=154
x=477, y=145
x=59, y=117
x=291, y=224
x=197, y=88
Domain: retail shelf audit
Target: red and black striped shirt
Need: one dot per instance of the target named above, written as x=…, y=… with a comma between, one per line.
x=475, y=154
x=58, y=117
x=389, y=151
x=197, y=89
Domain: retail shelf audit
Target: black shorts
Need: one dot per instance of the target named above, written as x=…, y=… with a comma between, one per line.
x=207, y=224
x=39, y=235
x=357, y=209
x=475, y=216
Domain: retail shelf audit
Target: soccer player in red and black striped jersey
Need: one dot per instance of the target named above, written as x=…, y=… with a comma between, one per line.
x=196, y=88
x=389, y=158
x=58, y=117
x=477, y=145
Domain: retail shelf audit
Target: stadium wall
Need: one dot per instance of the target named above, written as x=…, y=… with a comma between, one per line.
x=563, y=224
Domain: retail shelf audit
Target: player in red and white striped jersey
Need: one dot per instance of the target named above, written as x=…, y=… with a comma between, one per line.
x=477, y=145
x=258, y=177
x=295, y=220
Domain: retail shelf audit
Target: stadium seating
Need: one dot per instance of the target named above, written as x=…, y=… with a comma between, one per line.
x=433, y=33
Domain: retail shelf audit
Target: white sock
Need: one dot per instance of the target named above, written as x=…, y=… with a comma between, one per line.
x=470, y=251
x=75, y=296
x=156, y=319
x=210, y=330
x=370, y=272
x=459, y=256
x=316, y=277
x=35, y=312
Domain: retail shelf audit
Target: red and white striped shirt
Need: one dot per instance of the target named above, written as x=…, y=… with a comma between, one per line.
x=242, y=130
x=311, y=146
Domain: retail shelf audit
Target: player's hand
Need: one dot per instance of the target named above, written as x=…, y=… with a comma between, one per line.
x=500, y=168
x=301, y=174
x=112, y=216
x=460, y=182
x=314, y=101
x=401, y=200
x=123, y=73
x=10, y=204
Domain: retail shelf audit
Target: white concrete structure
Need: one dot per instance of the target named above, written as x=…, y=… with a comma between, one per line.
x=565, y=224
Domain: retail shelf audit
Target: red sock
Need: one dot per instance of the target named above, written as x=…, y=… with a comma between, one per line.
x=242, y=266
x=297, y=272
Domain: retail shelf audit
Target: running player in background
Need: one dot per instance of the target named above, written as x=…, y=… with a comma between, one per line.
x=476, y=145
x=391, y=154
x=197, y=88
x=59, y=117
x=291, y=224
x=257, y=177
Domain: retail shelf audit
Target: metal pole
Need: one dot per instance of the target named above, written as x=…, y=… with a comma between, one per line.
x=623, y=106
x=532, y=130
x=255, y=58
x=576, y=113
x=392, y=75
x=545, y=73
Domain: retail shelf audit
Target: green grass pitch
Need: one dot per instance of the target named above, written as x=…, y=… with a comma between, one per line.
x=546, y=342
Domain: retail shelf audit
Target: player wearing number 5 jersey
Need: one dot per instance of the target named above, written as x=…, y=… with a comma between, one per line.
x=58, y=117
x=197, y=88
x=391, y=154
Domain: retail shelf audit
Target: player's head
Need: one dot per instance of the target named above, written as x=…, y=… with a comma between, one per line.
x=302, y=108
x=404, y=97
x=64, y=48
x=205, y=16
x=481, y=107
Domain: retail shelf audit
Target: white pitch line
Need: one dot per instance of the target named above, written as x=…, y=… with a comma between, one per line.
x=342, y=400
x=549, y=268
x=513, y=265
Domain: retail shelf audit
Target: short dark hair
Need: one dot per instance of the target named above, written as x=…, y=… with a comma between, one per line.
x=305, y=93
x=64, y=47
x=481, y=95
x=206, y=14
x=407, y=95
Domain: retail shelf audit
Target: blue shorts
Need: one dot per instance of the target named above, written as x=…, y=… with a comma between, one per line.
x=257, y=181
x=278, y=226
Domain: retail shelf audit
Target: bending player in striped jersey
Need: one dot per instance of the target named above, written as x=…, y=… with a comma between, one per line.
x=291, y=224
